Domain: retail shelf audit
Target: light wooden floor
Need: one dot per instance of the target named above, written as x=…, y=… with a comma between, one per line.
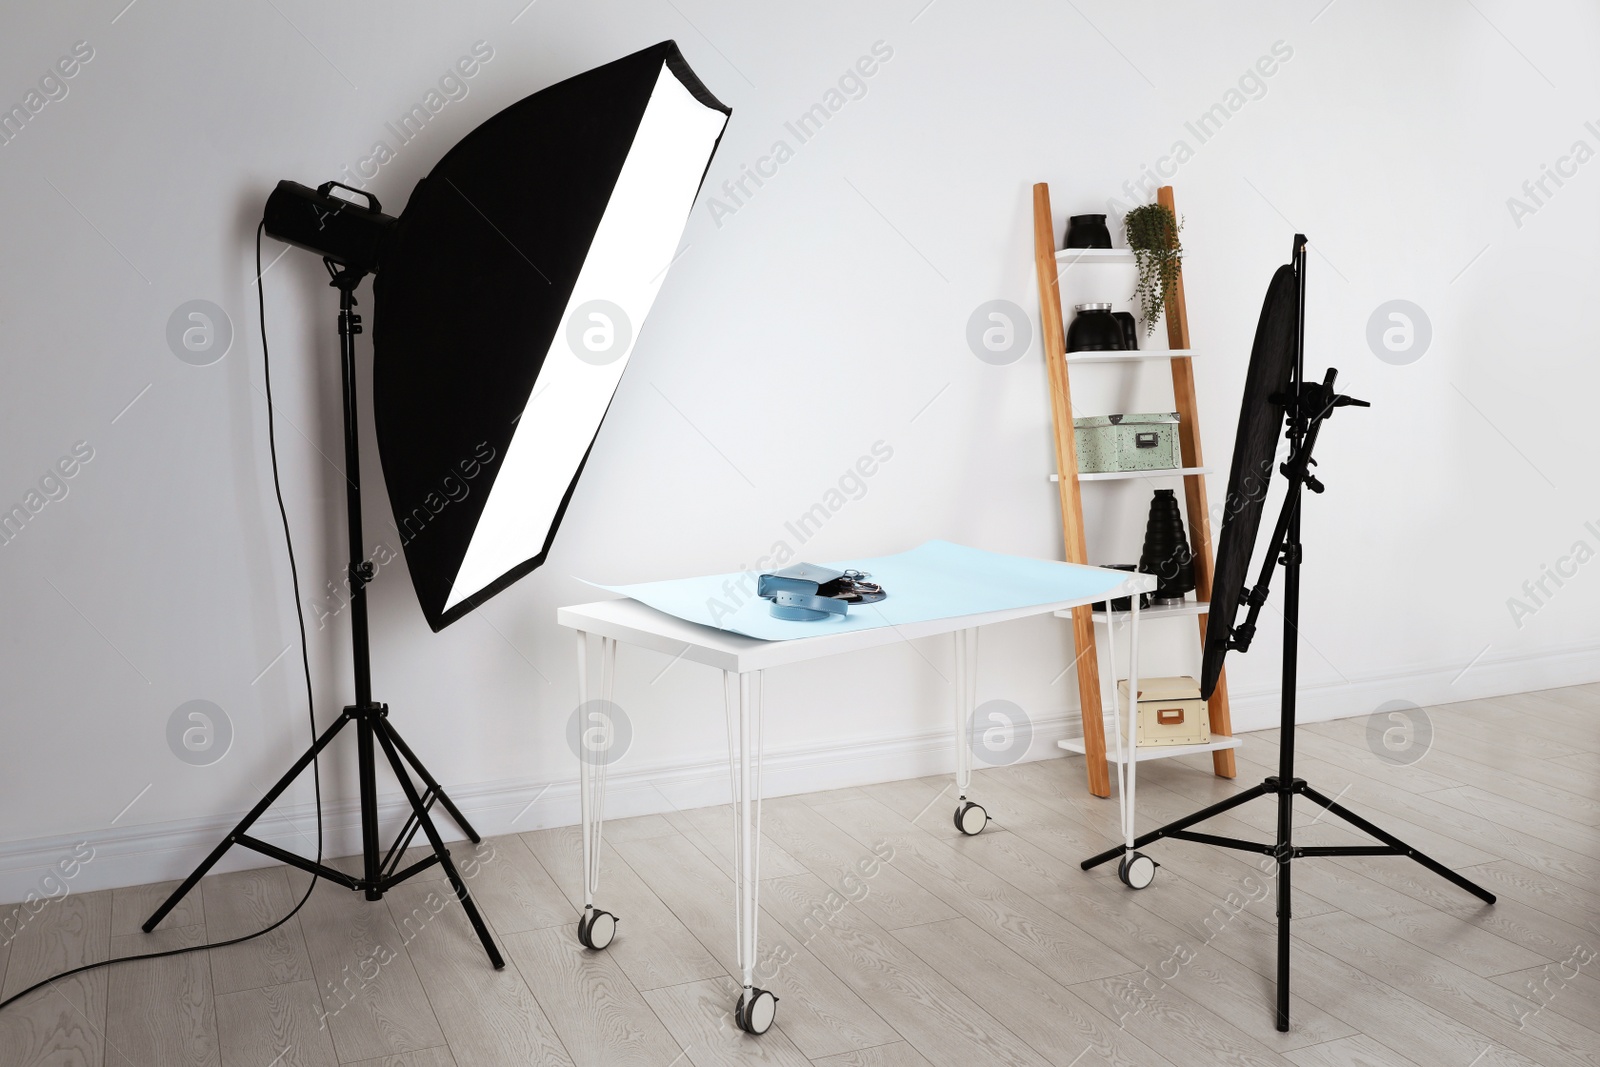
x=951, y=951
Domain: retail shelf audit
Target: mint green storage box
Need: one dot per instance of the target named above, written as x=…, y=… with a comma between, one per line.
x=1112, y=443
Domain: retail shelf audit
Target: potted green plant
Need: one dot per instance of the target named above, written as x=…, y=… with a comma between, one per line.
x=1153, y=236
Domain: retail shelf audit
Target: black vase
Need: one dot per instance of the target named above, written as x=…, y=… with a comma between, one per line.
x=1087, y=231
x=1130, y=329
x=1166, y=549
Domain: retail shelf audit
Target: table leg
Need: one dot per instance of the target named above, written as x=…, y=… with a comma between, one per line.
x=970, y=818
x=596, y=928
x=756, y=1007
x=1135, y=868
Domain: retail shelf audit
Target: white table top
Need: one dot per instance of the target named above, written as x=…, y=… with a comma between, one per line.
x=635, y=623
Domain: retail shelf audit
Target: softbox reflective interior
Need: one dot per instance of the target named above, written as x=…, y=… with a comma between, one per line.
x=1254, y=448
x=509, y=301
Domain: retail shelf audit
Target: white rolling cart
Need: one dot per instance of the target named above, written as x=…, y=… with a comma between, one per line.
x=743, y=662
x=1135, y=868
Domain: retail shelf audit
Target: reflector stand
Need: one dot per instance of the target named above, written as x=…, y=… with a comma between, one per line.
x=1307, y=406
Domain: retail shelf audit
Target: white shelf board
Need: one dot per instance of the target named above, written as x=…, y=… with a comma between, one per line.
x=1075, y=744
x=1130, y=357
x=1068, y=256
x=1117, y=476
x=1187, y=610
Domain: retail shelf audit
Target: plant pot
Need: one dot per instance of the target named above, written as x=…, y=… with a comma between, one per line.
x=1087, y=231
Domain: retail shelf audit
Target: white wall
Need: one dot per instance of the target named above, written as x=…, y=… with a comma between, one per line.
x=840, y=291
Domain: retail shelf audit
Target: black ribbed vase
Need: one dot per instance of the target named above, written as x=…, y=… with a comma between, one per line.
x=1166, y=549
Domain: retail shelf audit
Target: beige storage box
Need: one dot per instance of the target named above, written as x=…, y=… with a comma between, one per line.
x=1170, y=712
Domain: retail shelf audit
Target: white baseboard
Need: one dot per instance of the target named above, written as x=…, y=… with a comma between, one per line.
x=159, y=852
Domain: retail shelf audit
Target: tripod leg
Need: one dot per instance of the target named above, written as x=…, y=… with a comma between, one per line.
x=244, y=824
x=381, y=729
x=1394, y=842
x=1285, y=857
x=1284, y=866
x=428, y=780
x=1182, y=824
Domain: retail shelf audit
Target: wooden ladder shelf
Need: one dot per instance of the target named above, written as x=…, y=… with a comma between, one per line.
x=1194, y=488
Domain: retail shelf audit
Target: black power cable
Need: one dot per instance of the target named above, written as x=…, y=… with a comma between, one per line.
x=305, y=662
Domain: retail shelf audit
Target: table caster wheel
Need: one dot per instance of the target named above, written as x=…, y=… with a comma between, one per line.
x=971, y=818
x=596, y=929
x=1136, y=870
x=756, y=1016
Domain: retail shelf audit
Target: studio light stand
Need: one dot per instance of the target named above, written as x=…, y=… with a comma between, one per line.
x=1308, y=405
x=370, y=718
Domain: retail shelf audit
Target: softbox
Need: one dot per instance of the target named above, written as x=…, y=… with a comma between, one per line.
x=510, y=298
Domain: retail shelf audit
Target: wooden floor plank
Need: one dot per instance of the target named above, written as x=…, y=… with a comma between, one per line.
x=1446, y=934
x=242, y=903
x=602, y=1021
x=130, y=907
x=1498, y=1014
x=1488, y=753
x=898, y=1054
x=699, y=1016
x=1358, y=1051
x=279, y=1025
x=652, y=947
x=893, y=898
x=514, y=891
x=63, y=1023
x=1167, y=929
x=711, y=831
x=1568, y=986
x=428, y=1057
x=1385, y=1013
x=369, y=986
x=162, y=1011
x=1029, y=1002
x=1175, y=1026
x=927, y=1009
x=487, y=1015
x=821, y=1014
x=1052, y=943
x=1538, y=890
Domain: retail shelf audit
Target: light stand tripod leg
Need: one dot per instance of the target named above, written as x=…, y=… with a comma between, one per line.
x=1182, y=824
x=1400, y=846
x=433, y=786
x=381, y=729
x=244, y=824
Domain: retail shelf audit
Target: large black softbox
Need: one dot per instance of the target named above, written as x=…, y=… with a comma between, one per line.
x=508, y=303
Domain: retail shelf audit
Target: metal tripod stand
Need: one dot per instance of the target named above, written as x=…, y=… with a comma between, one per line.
x=371, y=719
x=1308, y=406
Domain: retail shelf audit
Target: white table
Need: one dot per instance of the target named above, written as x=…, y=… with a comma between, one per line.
x=743, y=662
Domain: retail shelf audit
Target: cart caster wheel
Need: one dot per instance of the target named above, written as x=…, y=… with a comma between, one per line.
x=756, y=1017
x=596, y=929
x=1136, y=870
x=971, y=818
